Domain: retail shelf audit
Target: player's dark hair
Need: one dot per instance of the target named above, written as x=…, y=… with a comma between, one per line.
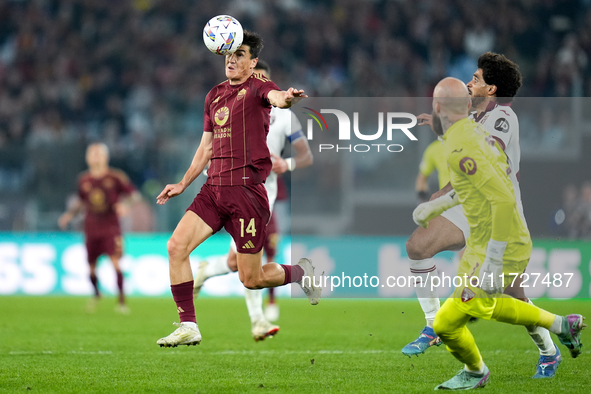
x=503, y=73
x=263, y=65
x=254, y=41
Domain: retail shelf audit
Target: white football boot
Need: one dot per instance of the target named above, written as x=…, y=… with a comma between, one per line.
x=307, y=283
x=185, y=334
x=262, y=329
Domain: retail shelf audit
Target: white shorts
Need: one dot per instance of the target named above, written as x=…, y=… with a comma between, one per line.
x=457, y=217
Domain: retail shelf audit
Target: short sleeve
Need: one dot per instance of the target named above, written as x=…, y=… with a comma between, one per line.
x=427, y=165
x=125, y=185
x=264, y=86
x=503, y=126
x=207, y=126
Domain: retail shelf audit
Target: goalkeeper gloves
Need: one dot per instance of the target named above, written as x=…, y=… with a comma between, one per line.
x=426, y=211
x=491, y=272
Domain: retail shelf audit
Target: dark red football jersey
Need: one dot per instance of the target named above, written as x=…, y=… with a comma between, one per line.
x=99, y=196
x=238, y=116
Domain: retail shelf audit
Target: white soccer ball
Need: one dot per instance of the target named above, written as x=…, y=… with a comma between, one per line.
x=223, y=34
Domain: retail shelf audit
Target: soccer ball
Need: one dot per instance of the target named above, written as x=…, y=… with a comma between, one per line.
x=223, y=34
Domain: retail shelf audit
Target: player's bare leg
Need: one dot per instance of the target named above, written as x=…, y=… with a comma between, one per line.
x=189, y=233
x=92, y=304
x=550, y=356
x=121, y=307
x=256, y=276
x=270, y=247
x=260, y=327
x=424, y=243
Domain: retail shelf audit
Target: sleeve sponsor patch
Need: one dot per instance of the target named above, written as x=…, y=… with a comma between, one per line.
x=502, y=125
x=468, y=165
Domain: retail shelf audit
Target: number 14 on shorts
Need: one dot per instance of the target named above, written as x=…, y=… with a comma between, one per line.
x=250, y=228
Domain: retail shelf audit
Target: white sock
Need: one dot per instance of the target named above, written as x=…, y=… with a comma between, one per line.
x=254, y=304
x=542, y=339
x=217, y=266
x=556, y=327
x=479, y=372
x=189, y=324
x=429, y=300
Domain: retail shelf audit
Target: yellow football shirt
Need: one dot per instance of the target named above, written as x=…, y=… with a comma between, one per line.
x=479, y=174
x=434, y=159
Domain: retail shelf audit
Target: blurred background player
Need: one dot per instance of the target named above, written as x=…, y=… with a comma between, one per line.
x=236, y=124
x=499, y=243
x=283, y=126
x=492, y=88
x=432, y=160
x=100, y=192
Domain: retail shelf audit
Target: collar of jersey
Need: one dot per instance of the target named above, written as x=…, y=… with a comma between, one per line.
x=457, y=125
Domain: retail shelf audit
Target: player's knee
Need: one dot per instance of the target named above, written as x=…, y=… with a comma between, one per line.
x=415, y=249
x=439, y=327
x=176, y=250
x=251, y=283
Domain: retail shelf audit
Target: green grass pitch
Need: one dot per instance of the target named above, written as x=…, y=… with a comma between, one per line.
x=49, y=344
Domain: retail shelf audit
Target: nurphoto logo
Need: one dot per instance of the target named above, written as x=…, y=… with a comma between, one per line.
x=393, y=124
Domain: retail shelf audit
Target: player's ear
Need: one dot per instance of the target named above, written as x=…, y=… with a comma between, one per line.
x=253, y=62
x=492, y=90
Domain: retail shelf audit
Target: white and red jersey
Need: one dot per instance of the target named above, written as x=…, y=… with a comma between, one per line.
x=501, y=122
x=283, y=125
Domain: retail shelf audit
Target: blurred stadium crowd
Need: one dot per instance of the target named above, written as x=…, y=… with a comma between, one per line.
x=134, y=73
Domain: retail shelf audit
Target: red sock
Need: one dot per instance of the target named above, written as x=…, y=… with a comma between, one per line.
x=183, y=296
x=271, y=295
x=293, y=273
x=120, y=287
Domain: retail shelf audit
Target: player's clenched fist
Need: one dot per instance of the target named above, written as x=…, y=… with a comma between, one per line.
x=429, y=210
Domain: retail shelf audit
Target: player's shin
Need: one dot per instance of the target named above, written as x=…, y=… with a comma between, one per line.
x=423, y=271
x=183, y=297
x=460, y=343
x=254, y=304
x=541, y=337
x=514, y=311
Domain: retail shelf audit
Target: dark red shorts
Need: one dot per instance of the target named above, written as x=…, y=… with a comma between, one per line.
x=109, y=245
x=242, y=210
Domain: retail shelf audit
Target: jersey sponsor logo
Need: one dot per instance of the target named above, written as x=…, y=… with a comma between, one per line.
x=222, y=115
x=97, y=201
x=241, y=94
x=467, y=294
x=248, y=245
x=468, y=165
x=222, y=132
x=502, y=125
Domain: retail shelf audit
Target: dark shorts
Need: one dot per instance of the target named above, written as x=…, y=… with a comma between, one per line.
x=111, y=245
x=242, y=210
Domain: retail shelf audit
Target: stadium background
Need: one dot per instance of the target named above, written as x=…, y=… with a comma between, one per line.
x=134, y=74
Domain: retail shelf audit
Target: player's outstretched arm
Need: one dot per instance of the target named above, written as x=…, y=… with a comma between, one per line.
x=199, y=162
x=285, y=98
